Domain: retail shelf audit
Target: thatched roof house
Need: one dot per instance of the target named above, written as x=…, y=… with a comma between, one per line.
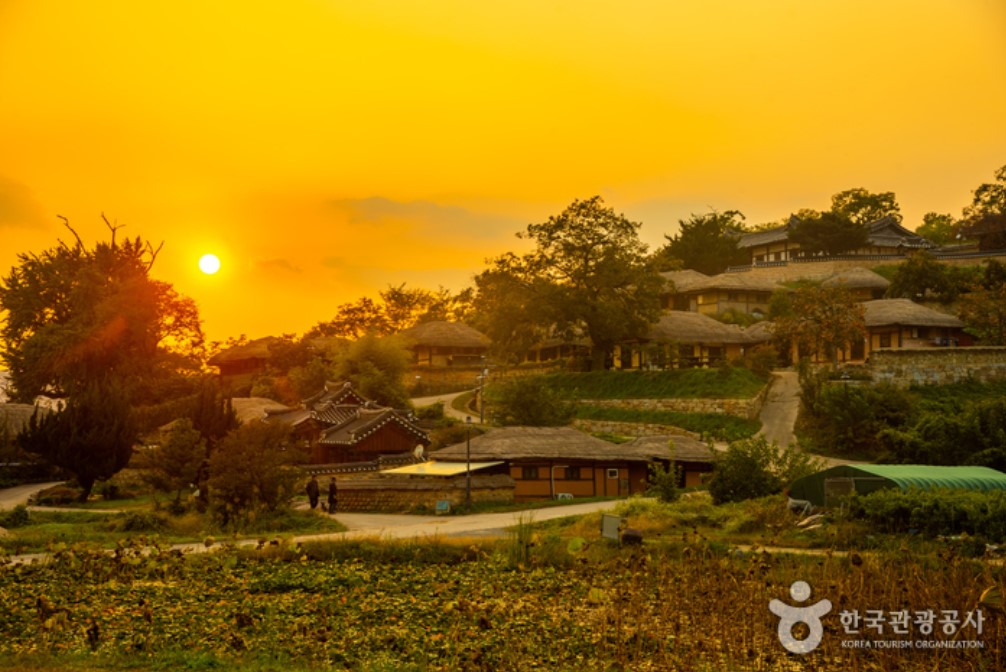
x=547, y=461
x=712, y=295
x=440, y=343
x=14, y=418
x=682, y=338
x=693, y=457
x=902, y=323
x=862, y=282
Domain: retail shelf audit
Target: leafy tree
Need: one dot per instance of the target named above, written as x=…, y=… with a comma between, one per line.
x=861, y=207
x=827, y=233
x=818, y=320
x=399, y=308
x=976, y=436
x=92, y=437
x=525, y=401
x=983, y=311
x=989, y=198
x=754, y=468
x=175, y=464
x=941, y=229
x=75, y=314
x=705, y=243
x=921, y=275
x=508, y=309
x=847, y=420
x=663, y=482
x=376, y=367
x=587, y=275
x=250, y=472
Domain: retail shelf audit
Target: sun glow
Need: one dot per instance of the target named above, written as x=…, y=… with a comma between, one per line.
x=209, y=264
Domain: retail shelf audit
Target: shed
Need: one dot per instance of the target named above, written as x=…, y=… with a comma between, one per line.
x=826, y=487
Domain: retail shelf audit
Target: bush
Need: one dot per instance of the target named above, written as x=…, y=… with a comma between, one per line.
x=16, y=517
x=933, y=512
x=755, y=468
x=663, y=482
x=141, y=521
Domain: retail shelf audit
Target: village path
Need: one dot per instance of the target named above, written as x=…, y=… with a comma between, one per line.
x=778, y=413
x=19, y=494
x=446, y=400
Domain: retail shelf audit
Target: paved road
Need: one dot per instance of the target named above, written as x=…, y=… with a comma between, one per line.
x=11, y=497
x=446, y=399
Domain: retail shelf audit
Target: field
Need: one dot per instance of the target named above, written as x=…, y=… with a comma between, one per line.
x=553, y=597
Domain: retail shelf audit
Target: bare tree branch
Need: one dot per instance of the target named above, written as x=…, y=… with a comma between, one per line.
x=111, y=227
x=153, y=253
x=66, y=223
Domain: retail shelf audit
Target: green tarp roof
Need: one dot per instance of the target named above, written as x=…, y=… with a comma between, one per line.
x=866, y=478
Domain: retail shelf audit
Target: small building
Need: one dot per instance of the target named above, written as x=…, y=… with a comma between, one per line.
x=548, y=462
x=886, y=237
x=683, y=339
x=678, y=283
x=717, y=294
x=694, y=458
x=441, y=343
x=828, y=487
x=239, y=364
x=864, y=284
x=902, y=323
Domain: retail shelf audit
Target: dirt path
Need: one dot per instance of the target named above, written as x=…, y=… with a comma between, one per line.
x=19, y=494
x=446, y=400
x=778, y=413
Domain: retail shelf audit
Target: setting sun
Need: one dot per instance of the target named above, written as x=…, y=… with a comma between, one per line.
x=209, y=264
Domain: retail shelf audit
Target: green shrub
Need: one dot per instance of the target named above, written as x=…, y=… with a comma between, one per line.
x=755, y=468
x=933, y=512
x=663, y=482
x=140, y=521
x=16, y=517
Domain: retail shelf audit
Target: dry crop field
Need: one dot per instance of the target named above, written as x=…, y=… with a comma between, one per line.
x=525, y=604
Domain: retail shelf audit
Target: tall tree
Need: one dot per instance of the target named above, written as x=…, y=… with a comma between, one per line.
x=989, y=198
x=75, y=314
x=376, y=367
x=705, y=243
x=92, y=436
x=588, y=274
x=818, y=320
x=941, y=229
x=827, y=232
x=861, y=207
x=983, y=309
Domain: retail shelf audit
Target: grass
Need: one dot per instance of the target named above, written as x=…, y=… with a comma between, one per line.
x=717, y=383
x=107, y=529
x=720, y=426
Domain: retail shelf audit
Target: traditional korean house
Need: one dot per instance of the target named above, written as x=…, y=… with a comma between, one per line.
x=864, y=284
x=239, y=364
x=682, y=339
x=440, y=343
x=676, y=295
x=554, y=462
x=692, y=457
x=902, y=323
x=885, y=237
x=717, y=294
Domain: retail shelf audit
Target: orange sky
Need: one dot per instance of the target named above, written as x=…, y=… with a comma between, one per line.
x=325, y=150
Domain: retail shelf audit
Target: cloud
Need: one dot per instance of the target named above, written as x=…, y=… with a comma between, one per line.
x=274, y=265
x=425, y=217
x=18, y=207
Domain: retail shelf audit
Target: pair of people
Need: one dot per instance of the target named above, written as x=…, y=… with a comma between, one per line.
x=314, y=492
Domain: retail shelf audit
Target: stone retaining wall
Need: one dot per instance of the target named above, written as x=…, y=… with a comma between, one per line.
x=937, y=366
x=391, y=494
x=748, y=409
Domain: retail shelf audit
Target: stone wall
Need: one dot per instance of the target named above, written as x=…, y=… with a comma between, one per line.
x=742, y=408
x=405, y=494
x=433, y=380
x=937, y=366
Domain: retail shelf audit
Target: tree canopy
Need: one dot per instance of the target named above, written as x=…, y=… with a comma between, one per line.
x=75, y=314
x=818, y=320
x=827, y=233
x=706, y=243
x=861, y=207
x=939, y=228
x=588, y=275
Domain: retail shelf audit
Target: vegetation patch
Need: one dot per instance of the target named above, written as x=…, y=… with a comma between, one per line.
x=719, y=426
x=718, y=383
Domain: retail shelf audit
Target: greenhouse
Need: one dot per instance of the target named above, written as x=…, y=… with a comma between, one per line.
x=827, y=487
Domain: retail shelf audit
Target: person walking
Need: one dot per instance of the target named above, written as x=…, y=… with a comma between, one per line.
x=333, y=495
x=313, y=491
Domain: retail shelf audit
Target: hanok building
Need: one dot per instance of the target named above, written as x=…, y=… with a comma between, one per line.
x=864, y=284
x=239, y=364
x=693, y=459
x=682, y=339
x=902, y=323
x=342, y=427
x=440, y=343
x=556, y=462
x=717, y=294
x=886, y=237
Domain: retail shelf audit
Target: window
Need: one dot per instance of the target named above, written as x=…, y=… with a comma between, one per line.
x=613, y=473
x=885, y=340
x=529, y=473
x=572, y=473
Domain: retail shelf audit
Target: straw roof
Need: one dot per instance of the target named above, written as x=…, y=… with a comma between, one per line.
x=685, y=448
x=885, y=312
x=760, y=332
x=449, y=334
x=735, y=282
x=683, y=326
x=857, y=278
x=257, y=349
x=683, y=280
x=546, y=443
x=256, y=408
